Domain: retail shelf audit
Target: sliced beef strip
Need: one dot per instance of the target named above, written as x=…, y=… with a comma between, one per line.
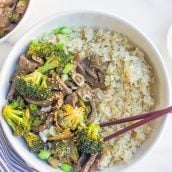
x=82, y=160
x=57, y=100
x=56, y=97
x=46, y=124
x=78, y=79
x=11, y=92
x=92, y=73
x=71, y=99
x=4, y=17
x=43, y=103
x=27, y=64
x=86, y=162
x=38, y=60
x=85, y=93
x=92, y=115
x=71, y=85
x=57, y=83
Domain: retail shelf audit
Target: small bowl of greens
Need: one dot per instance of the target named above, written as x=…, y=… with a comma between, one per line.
x=65, y=78
x=12, y=14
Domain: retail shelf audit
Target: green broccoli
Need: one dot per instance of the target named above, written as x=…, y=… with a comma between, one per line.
x=40, y=49
x=51, y=63
x=62, y=30
x=47, y=50
x=86, y=106
x=33, y=86
x=72, y=118
x=17, y=103
x=89, y=139
x=34, y=142
x=19, y=120
x=60, y=151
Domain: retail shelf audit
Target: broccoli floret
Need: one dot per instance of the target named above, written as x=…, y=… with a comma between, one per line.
x=72, y=117
x=33, y=86
x=47, y=50
x=62, y=30
x=19, y=120
x=86, y=107
x=60, y=151
x=17, y=103
x=51, y=63
x=34, y=142
x=40, y=49
x=89, y=139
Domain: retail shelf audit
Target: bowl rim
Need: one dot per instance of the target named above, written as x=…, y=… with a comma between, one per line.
x=169, y=41
x=107, y=14
x=24, y=17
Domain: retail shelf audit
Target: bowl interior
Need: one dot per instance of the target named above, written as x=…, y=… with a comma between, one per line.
x=101, y=20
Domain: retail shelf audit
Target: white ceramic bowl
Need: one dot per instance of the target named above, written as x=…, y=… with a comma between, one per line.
x=101, y=20
x=12, y=32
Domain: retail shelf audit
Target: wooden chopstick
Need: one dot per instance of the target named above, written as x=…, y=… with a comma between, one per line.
x=136, y=117
x=146, y=117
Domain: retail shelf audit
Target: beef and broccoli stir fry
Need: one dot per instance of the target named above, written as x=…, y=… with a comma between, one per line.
x=11, y=12
x=51, y=103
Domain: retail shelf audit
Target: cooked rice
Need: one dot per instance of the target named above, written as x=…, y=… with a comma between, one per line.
x=129, y=81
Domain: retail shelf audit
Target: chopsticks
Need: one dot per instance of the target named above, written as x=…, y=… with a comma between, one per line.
x=143, y=119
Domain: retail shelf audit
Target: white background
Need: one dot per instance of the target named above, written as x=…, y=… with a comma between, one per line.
x=153, y=17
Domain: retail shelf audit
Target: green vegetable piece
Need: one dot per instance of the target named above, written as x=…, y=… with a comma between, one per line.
x=51, y=63
x=60, y=46
x=44, y=154
x=36, y=121
x=19, y=120
x=65, y=77
x=34, y=142
x=65, y=167
x=70, y=57
x=41, y=49
x=18, y=103
x=60, y=151
x=62, y=30
x=68, y=67
x=73, y=118
x=89, y=139
x=33, y=107
x=86, y=107
x=33, y=86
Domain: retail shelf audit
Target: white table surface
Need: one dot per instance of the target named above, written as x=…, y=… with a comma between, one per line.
x=154, y=17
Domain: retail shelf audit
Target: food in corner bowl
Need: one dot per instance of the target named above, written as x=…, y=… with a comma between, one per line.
x=11, y=12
